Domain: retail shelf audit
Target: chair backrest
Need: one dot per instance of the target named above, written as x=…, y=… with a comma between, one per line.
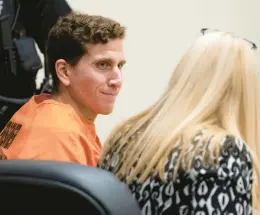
x=48, y=187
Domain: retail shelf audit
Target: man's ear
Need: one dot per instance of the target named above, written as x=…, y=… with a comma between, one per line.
x=61, y=68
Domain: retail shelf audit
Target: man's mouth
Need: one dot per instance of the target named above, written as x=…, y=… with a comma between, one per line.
x=110, y=94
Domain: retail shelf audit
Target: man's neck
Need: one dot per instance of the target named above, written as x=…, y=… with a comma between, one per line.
x=83, y=112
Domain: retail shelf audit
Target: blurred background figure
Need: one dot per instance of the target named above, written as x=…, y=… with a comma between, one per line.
x=23, y=24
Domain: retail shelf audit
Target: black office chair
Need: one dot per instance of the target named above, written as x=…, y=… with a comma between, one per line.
x=47, y=187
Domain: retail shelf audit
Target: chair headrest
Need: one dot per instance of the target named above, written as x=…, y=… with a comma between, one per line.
x=96, y=187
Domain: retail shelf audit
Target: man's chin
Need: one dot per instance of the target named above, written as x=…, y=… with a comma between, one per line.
x=106, y=111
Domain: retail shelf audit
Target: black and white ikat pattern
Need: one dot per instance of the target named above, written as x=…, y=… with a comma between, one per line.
x=224, y=189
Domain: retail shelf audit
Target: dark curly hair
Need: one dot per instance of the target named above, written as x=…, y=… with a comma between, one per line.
x=68, y=38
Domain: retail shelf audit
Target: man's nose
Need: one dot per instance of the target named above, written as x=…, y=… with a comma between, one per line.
x=116, y=79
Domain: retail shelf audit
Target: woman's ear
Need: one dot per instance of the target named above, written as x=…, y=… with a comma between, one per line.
x=62, y=72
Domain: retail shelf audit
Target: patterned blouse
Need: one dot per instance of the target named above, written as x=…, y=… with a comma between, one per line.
x=223, y=189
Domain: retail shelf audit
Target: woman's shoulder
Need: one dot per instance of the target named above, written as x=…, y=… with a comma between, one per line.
x=234, y=146
x=234, y=155
x=232, y=159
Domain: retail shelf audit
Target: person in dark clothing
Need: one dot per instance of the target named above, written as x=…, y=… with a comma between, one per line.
x=30, y=22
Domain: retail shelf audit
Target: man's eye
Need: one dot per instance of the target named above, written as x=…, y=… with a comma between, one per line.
x=120, y=66
x=102, y=65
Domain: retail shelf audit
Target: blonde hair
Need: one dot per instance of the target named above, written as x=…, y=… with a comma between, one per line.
x=215, y=85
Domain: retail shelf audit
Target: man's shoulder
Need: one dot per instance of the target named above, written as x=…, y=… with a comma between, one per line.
x=58, y=117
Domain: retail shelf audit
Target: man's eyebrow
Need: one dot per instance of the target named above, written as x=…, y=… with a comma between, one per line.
x=109, y=59
x=123, y=62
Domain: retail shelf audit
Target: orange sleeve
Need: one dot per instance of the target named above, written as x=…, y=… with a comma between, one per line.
x=54, y=144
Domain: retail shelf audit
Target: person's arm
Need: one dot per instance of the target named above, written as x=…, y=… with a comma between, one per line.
x=226, y=188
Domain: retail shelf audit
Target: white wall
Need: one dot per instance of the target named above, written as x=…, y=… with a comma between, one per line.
x=158, y=32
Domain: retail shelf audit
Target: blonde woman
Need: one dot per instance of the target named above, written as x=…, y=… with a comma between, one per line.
x=197, y=149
